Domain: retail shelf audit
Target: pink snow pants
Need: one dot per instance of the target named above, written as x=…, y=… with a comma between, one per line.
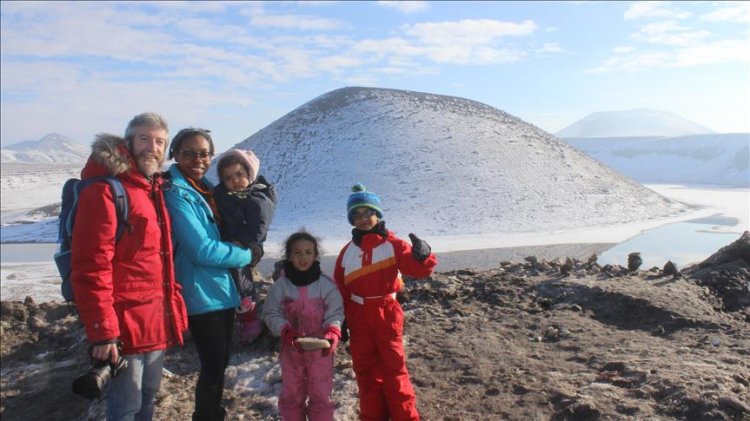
x=308, y=374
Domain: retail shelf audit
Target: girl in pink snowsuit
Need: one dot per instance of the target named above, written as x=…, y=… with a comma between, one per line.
x=304, y=302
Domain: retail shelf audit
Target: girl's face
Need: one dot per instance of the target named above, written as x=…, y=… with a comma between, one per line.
x=303, y=254
x=235, y=177
x=365, y=218
x=194, y=157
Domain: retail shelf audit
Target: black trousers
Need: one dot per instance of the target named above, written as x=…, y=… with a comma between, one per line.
x=212, y=334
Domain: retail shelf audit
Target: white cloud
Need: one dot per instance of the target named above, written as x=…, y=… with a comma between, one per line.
x=733, y=12
x=550, y=47
x=406, y=7
x=623, y=49
x=66, y=90
x=301, y=22
x=654, y=9
x=725, y=51
x=669, y=33
x=632, y=63
x=468, y=31
x=714, y=52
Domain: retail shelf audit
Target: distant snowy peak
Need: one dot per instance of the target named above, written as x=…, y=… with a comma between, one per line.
x=639, y=122
x=442, y=165
x=52, y=148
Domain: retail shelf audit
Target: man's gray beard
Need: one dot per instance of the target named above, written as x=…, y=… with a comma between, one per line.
x=149, y=166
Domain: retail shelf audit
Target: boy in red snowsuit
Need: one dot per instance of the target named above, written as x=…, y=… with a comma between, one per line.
x=368, y=275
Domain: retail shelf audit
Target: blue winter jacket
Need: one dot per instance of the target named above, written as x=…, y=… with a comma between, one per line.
x=201, y=259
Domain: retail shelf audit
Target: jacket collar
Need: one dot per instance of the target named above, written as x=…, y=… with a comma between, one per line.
x=372, y=238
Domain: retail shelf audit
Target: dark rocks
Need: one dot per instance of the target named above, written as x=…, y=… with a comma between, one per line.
x=739, y=250
x=634, y=261
x=670, y=269
x=735, y=404
x=727, y=274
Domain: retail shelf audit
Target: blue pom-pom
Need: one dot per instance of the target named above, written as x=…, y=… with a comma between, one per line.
x=358, y=188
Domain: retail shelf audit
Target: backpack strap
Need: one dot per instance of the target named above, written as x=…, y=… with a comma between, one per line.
x=121, y=206
x=120, y=197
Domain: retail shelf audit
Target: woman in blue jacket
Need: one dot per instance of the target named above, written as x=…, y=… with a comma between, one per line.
x=202, y=263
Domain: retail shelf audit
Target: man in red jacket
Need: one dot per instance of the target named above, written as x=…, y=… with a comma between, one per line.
x=368, y=275
x=126, y=292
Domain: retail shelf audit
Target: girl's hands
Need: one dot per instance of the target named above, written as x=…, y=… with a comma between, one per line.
x=333, y=334
x=289, y=337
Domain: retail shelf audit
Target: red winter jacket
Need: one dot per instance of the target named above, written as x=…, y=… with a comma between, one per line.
x=125, y=291
x=373, y=269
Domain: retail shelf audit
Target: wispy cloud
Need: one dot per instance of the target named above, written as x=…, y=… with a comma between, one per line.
x=468, y=31
x=732, y=12
x=632, y=60
x=669, y=33
x=624, y=49
x=654, y=9
x=297, y=22
x=407, y=7
x=669, y=43
x=550, y=48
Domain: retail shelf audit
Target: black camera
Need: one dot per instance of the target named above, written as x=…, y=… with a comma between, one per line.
x=91, y=384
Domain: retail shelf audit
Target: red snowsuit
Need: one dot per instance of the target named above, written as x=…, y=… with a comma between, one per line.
x=125, y=291
x=368, y=277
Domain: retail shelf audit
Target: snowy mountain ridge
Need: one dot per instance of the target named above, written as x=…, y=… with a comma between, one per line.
x=52, y=148
x=442, y=166
x=708, y=159
x=637, y=122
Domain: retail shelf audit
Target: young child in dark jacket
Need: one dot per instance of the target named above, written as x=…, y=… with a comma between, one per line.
x=246, y=205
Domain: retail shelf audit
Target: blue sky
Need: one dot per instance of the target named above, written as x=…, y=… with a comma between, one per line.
x=83, y=68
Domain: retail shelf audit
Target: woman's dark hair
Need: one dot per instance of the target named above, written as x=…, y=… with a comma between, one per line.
x=301, y=235
x=183, y=134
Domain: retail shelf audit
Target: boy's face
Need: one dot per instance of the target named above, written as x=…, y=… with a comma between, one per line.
x=235, y=177
x=302, y=254
x=365, y=218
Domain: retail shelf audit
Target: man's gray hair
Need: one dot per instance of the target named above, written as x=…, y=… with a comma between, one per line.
x=145, y=119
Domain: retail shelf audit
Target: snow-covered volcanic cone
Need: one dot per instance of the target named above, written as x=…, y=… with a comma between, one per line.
x=442, y=165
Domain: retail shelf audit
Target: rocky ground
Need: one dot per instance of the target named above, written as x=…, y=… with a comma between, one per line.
x=529, y=340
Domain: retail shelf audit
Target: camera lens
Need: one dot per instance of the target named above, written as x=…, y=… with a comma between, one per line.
x=92, y=383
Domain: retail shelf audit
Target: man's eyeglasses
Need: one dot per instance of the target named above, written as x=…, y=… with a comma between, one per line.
x=364, y=213
x=190, y=155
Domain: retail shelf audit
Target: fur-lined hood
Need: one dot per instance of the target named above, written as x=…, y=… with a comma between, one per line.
x=111, y=152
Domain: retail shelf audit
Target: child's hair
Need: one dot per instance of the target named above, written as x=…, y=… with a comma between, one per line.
x=246, y=159
x=226, y=161
x=301, y=235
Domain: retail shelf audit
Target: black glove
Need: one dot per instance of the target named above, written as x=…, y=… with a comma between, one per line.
x=344, y=332
x=419, y=248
